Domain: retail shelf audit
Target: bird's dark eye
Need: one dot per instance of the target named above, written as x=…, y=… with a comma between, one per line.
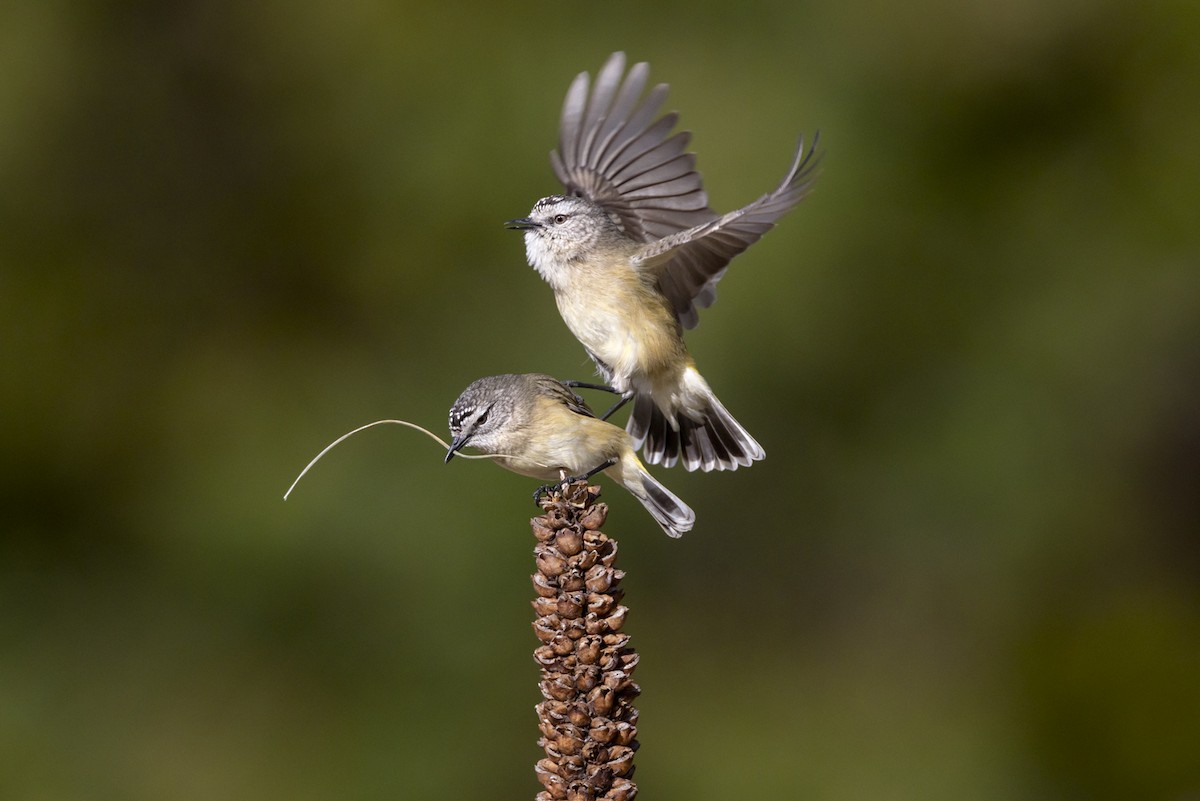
x=559, y=219
x=483, y=417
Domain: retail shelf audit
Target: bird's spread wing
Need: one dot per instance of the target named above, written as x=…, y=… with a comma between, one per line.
x=612, y=151
x=689, y=263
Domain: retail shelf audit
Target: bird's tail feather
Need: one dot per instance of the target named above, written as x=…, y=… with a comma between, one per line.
x=675, y=516
x=715, y=442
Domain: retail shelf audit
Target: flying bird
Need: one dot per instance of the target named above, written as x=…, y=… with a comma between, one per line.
x=632, y=251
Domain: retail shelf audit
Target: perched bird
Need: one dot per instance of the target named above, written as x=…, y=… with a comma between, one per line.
x=631, y=251
x=538, y=427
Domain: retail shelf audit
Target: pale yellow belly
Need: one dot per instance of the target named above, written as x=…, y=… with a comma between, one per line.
x=570, y=443
x=630, y=330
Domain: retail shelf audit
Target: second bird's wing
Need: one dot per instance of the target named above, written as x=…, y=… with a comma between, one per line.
x=565, y=395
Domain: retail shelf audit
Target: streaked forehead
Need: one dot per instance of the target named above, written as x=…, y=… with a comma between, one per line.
x=459, y=413
x=548, y=201
x=554, y=201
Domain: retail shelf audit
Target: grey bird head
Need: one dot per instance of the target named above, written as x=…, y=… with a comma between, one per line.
x=562, y=231
x=483, y=413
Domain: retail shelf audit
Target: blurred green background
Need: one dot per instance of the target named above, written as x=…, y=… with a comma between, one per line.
x=230, y=232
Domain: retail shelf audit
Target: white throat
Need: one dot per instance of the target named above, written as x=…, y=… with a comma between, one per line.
x=542, y=259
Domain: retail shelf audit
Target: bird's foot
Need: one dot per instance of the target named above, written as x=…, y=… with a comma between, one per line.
x=558, y=486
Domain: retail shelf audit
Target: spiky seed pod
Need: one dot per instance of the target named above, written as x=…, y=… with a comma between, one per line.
x=587, y=719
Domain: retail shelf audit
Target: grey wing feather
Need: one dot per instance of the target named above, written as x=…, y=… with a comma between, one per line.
x=565, y=395
x=690, y=263
x=612, y=151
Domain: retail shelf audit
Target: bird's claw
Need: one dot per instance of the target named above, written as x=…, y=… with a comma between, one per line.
x=546, y=489
x=539, y=492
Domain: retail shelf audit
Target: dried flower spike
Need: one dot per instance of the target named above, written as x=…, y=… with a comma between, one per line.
x=587, y=718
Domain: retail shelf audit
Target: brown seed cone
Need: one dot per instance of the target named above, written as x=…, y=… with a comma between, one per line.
x=587, y=718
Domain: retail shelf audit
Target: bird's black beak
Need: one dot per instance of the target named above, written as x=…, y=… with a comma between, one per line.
x=522, y=224
x=456, y=444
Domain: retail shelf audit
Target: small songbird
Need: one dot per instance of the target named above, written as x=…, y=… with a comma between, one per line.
x=538, y=427
x=631, y=251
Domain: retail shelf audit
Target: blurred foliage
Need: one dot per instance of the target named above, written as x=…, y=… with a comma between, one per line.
x=233, y=231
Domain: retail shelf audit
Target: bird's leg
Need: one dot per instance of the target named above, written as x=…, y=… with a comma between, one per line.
x=607, y=463
x=586, y=385
x=564, y=479
x=625, y=398
x=545, y=488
